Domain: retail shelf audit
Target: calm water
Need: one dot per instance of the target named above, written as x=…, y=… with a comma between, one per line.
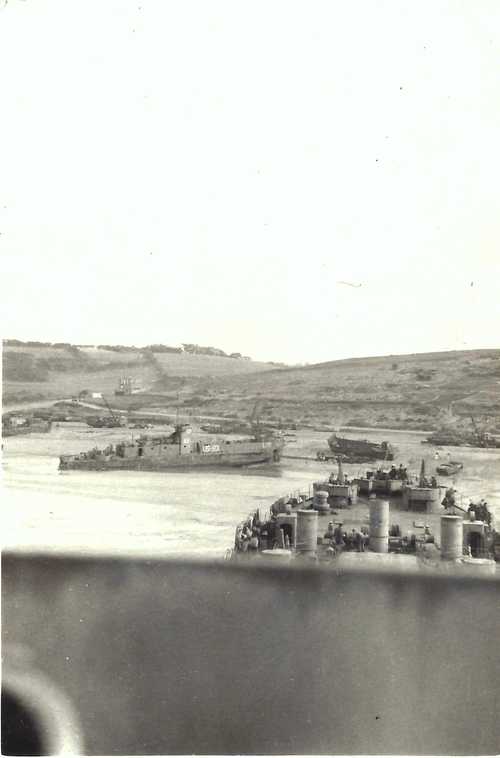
x=178, y=512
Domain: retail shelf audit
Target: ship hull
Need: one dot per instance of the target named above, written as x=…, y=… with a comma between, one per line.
x=181, y=462
x=176, y=451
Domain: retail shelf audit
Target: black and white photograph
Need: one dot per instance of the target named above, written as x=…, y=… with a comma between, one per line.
x=250, y=321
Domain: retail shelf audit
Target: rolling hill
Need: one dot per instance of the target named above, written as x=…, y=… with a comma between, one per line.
x=419, y=391
x=32, y=373
x=423, y=391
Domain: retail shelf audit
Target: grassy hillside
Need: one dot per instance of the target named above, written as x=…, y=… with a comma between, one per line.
x=414, y=391
x=37, y=373
x=190, y=366
x=423, y=391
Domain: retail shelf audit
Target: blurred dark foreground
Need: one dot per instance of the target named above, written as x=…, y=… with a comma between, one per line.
x=132, y=656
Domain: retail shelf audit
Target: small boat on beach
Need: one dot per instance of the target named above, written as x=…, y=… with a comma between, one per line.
x=450, y=468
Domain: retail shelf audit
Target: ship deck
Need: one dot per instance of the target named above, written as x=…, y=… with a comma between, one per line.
x=358, y=515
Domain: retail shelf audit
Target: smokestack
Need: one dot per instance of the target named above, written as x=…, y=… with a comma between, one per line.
x=379, y=526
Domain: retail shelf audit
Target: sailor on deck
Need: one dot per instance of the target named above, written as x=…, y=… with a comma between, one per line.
x=339, y=537
x=330, y=532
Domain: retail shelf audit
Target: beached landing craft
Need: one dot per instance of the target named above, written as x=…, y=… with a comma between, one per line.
x=359, y=451
x=14, y=424
x=458, y=438
x=177, y=450
x=451, y=438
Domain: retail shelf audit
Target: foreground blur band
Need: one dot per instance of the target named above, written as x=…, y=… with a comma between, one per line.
x=135, y=656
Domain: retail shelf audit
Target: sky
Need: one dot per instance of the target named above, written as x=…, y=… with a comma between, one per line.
x=296, y=181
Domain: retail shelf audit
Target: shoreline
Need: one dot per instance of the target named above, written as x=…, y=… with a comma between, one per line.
x=384, y=429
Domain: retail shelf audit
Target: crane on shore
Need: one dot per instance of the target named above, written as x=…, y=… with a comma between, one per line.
x=254, y=418
x=115, y=417
x=112, y=421
x=483, y=438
